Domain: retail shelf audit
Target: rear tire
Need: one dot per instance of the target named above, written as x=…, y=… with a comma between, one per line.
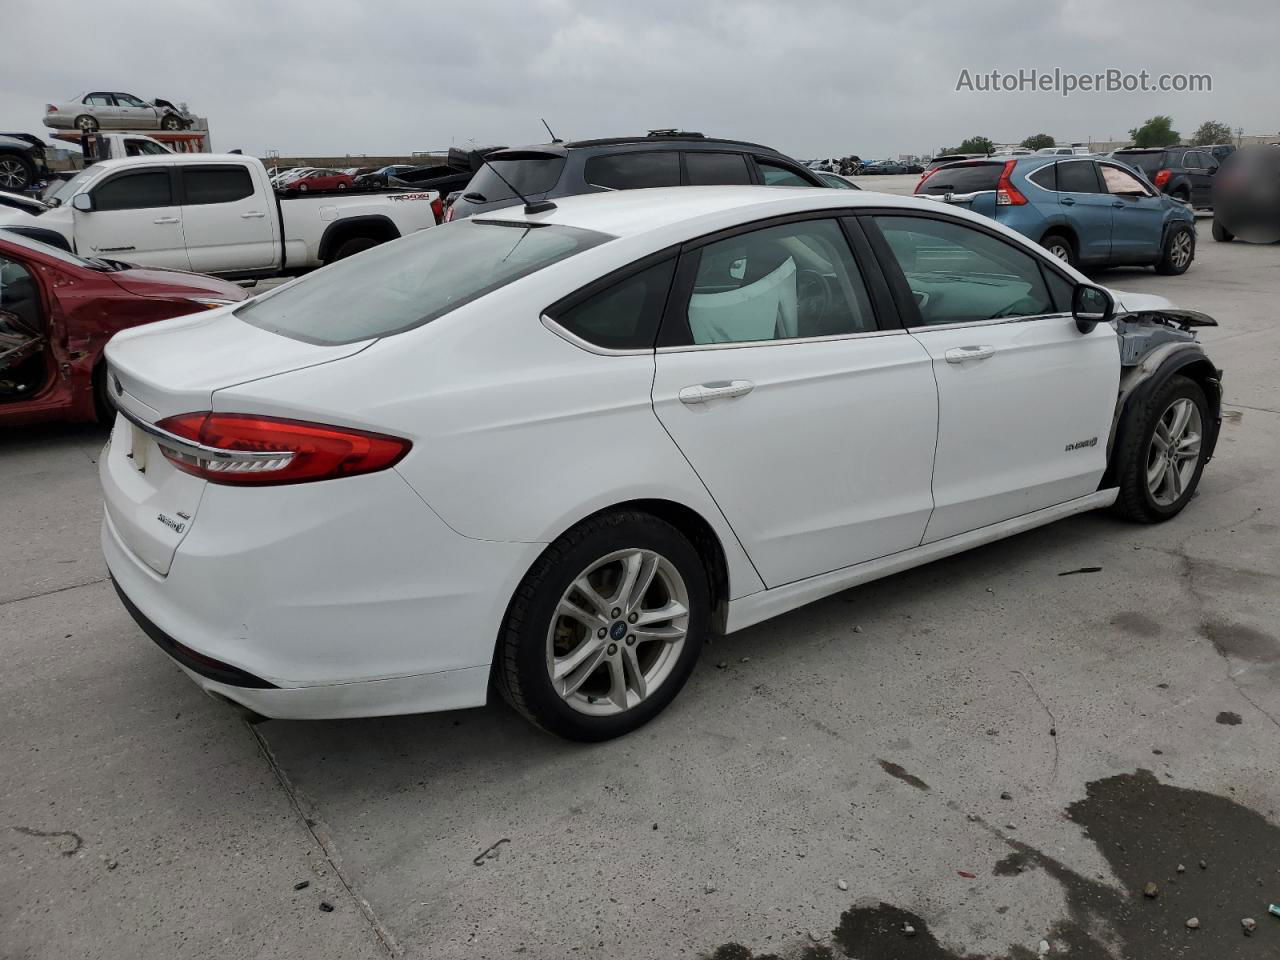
x=617, y=682
x=353, y=246
x=1221, y=233
x=16, y=173
x=1178, y=252
x=1059, y=247
x=1149, y=490
x=86, y=123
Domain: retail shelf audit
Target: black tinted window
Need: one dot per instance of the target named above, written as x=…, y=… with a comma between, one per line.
x=779, y=176
x=1046, y=176
x=534, y=174
x=134, y=191
x=1147, y=162
x=216, y=184
x=1060, y=288
x=1078, y=176
x=969, y=178
x=707, y=169
x=628, y=171
x=625, y=315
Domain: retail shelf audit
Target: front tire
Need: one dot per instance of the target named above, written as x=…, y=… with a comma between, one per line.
x=606, y=627
x=16, y=174
x=1161, y=453
x=1179, y=250
x=1221, y=233
x=1059, y=248
x=171, y=121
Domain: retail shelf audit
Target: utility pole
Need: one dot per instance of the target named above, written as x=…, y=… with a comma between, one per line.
x=1239, y=136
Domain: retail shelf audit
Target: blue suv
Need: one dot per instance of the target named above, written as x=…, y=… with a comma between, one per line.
x=1084, y=210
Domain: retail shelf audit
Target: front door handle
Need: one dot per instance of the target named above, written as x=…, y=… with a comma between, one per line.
x=252, y=215
x=165, y=220
x=1117, y=203
x=719, y=390
x=1066, y=201
x=961, y=354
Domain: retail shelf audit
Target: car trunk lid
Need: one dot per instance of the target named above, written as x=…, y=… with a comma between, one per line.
x=158, y=371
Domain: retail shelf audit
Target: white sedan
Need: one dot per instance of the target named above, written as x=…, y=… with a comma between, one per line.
x=558, y=446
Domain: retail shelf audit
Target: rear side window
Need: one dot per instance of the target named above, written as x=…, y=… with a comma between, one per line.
x=135, y=191
x=709, y=169
x=531, y=174
x=966, y=178
x=629, y=171
x=1078, y=176
x=1046, y=176
x=776, y=175
x=216, y=184
x=623, y=316
x=401, y=285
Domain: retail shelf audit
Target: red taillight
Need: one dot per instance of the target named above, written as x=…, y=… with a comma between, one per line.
x=246, y=450
x=1007, y=194
x=925, y=176
x=437, y=208
x=1162, y=177
x=50, y=108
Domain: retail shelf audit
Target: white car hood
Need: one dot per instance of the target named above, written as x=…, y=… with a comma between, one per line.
x=1134, y=302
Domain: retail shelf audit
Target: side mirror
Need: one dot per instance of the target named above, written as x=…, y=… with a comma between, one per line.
x=82, y=202
x=1091, y=306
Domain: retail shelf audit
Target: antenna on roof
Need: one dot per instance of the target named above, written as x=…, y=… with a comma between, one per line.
x=554, y=138
x=541, y=206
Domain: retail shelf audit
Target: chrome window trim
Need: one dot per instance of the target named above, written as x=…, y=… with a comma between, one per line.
x=582, y=344
x=926, y=328
x=733, y=345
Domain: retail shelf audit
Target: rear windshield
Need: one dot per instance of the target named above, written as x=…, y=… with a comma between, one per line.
x=406, y=283
x=531, y=175
x=1149, y=163
x=963, y=179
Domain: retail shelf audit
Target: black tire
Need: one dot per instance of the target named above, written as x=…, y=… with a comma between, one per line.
x=86, y=123
x=1059, y=246
x=1175, y=258
x=342, y=186
x=16, y=172
x=353, y=246
x=1182, y=195
x=520, y=663
x=1134, y=447
x=1221, y=233
x=171, y=121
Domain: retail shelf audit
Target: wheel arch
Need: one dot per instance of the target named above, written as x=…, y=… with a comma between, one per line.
x=1063, y=229
x=377, y=226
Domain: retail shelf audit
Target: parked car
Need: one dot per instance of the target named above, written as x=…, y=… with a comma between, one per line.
x=319, y=179
x=440, y=177
x=376, y=490
x=22, y=162
x=837, y=181
x=943, y=159
x=377, y=179
x=661, y=159
x=57, y=312
x=105, y=110
x=1184, y=173
x=1086, y=212
x=1062, y=152
x=213, y=213
x=1220, y=151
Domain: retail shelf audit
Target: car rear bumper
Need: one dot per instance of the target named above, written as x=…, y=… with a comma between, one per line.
x=337, y=599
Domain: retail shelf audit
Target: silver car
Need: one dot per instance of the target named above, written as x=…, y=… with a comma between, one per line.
x=123, y=111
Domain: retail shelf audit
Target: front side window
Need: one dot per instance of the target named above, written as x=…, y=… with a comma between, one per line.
x=958, y=274
x=710, y=169
x=134, y=191
x=19, y=296
x=403, y=284
x=629, y=171
x=224, y=184
x=780, y=283
x=1120, y=182
x=128, y=100
x=623, y=316
x=776, y=175
x=1077, y=176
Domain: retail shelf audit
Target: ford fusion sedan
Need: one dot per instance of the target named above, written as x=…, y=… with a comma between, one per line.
x=554, y=448
x=1084, y=211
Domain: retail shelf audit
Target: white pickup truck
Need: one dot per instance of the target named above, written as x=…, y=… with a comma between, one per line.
x=212, y=213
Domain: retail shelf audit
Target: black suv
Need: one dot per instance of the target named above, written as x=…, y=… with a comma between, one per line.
x=22, y=161
x=664, y=158
x=1184, y=173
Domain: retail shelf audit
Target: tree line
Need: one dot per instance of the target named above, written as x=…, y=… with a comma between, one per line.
x=1156, y=132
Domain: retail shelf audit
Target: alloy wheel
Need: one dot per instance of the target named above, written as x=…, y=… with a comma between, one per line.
x=13, y=175
x=1059, y=250
x=1180, y=253
x=617, y=632
x=1174, y=454
x=87, y=124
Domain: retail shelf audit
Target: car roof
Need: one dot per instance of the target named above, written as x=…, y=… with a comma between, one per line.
x=560, y=148
x=179, y=158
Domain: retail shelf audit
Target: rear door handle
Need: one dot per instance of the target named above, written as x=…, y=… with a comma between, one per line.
x=165, y=220
x=1066, y=201
x=719, y=390
x=252, y=215
x=961, y=354
x=1117, y=203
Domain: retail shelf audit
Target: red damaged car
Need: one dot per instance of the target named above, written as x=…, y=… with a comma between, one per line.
x=57, y=312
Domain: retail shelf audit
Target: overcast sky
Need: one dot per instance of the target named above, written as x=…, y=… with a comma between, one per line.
x=809, y=78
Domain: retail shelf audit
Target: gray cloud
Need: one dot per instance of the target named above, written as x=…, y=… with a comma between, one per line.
x=811, y=78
